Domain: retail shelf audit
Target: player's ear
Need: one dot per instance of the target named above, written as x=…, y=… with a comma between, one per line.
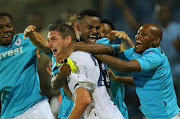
x=156, y=41
x=68, y=40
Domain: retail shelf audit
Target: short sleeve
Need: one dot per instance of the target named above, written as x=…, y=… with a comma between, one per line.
x=149, y=61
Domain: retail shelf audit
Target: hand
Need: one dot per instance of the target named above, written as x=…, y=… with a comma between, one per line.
x=59, y=79
x=37, y=52
x=29, y=30
x=64, y=71
x=64, y=54
x=120, y=34
x=49, y=69
x=111, y=74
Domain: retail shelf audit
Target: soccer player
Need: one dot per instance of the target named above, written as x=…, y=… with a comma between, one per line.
x=88, y=26
x=150, y=69
x=87, y=83
x=20, y=93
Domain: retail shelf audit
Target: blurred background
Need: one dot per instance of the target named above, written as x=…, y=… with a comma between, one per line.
x=126, y=15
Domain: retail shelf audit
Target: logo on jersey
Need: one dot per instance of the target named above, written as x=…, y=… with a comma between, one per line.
x=18, y=42
x=11, y=52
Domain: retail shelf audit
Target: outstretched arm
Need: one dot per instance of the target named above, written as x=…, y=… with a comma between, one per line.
x=37, y=39
x=81, y=102
x=92, y=48
x=120, y=65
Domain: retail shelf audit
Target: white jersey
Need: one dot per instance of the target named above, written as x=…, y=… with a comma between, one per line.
x=89, y=77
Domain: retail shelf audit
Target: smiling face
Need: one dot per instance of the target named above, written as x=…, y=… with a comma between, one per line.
x=6, y=30
x=56, y=42
x=89, y=28
x=147, y=36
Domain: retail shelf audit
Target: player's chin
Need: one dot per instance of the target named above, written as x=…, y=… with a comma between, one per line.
x=138, y=50
x=7, y=42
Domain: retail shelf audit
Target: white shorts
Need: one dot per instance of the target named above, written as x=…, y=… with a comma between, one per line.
x=177, y=116
x=41, y=110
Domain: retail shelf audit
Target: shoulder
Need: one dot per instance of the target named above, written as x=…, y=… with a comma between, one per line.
x=20, y=38
x=79, y=54
x=83, y=58
x=152, y=55
x=153, y=51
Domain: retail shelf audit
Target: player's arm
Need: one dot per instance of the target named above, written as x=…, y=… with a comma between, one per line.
x=92, y=48
x=59, y=78
x=37, y=39
x=126, y=42
x=123, y=79
x=81, y=102
x=120, y=65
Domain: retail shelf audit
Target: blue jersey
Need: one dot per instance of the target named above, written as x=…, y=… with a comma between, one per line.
x=19, y=80
x=105, y=41
x=117, y=88
x=66, y=103
x=154, y=84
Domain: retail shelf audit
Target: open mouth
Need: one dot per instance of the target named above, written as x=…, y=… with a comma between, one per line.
x=138, y=43
x=6, y=36
x=55, y=52
x=92, y=39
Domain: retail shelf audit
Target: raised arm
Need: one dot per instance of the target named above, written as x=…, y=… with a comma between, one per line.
x=37, y=39
x=126, y=42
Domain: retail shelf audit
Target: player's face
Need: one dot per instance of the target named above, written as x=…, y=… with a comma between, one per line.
x=89, y=29
x=105, y=31
x=144, y=39
x=6, y=31
x=56, y=42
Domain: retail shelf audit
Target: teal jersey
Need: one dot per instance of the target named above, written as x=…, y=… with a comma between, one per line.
x=105, y=41
x=66, y=102
x=154, y=84
x=117, y=88
x=19, y=80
